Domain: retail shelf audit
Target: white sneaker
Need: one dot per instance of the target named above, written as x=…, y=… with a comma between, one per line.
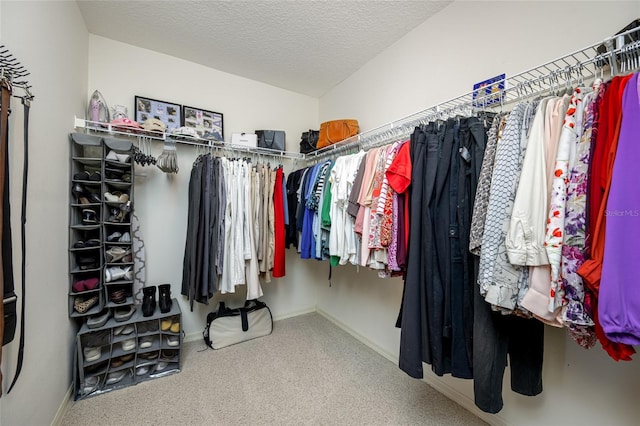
x=112, y=155
x=91, y=354
x=115, y=377
x=129, y=344
x=146, y=342
x=141, y=371
x=161, y=365
x=125, y=238
x=123, y=329
x=173, y=340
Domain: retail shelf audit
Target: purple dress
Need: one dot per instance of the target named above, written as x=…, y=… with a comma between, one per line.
x=619, y=301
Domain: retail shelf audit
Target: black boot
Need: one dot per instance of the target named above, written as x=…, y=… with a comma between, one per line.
x=164, y=297
x=149, y=301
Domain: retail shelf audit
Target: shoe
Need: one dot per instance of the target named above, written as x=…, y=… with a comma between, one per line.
x=115, y=377
x=168, y=354
x=125, y=238
x=112, y=197
x=147, y=327
x=93, y=242
x=148, y=301
x=99, y=320
x=115, y=273
x=92, y=353
x=146, y=342
x=123, y=158
x=89, y=217
x=97, y=338
x=78, y=286
x=165, y=324
x=82, y=305
x=118, y=296
x=141, y=371
x=173, y=341
x=114, y=236
x=91, y=384
x=123, y=314
x=116, y=362
x=87, y=262
x=115, y=254
x=164, y=296
x=161, y=365
x=149, y=355
x=91, y=283
x=94, y=198
x=175, y=327
x=95, y=176
x=124, y=329
x=112, y=156
x=81, y=176
x=128, y=344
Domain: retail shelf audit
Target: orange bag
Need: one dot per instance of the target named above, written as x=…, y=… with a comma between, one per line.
x=335, y=131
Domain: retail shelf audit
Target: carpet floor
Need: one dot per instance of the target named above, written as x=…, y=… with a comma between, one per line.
x=309, y=371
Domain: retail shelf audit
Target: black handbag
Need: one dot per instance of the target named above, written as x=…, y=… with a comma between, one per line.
x=271, y=139
x=309, y=141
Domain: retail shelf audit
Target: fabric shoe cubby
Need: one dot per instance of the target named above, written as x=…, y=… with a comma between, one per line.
x=124, y=353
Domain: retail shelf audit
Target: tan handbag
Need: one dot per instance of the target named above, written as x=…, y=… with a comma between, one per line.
x=336, y=130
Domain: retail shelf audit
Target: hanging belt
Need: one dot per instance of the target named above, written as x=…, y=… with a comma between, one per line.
x=4, y=120
x=23, y=236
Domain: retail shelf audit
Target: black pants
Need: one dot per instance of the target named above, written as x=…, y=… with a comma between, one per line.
x=495, y=336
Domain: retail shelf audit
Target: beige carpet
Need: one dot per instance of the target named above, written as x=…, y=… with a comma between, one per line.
x=308, y=371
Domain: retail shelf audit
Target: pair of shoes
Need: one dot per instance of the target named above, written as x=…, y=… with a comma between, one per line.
x=124, y=329
x=99, y=320
x=118, y=296
x=119, y=237
x=85, y=285
x=116, y=197
x=82, y=305
x=86, y=176
x=83, y=196
x=169, y=354
x=115, y=254
x=170, y=324
x=94, y=242
x=89, y=217
x=114, y=273
x=121, y=158
x=172, y=340
x=115, y=376
x=117, y=362
x=92, y=353
x=87, y=261
x=149, y=355
x=123, y=313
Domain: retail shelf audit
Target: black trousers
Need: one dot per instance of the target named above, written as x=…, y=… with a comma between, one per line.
x=495, y=336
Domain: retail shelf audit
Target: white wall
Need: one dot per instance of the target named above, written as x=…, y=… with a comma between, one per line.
x=51, y=40
x=466, y=43
x=122, y=71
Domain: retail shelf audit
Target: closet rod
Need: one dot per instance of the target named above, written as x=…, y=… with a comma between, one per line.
x=583, y=64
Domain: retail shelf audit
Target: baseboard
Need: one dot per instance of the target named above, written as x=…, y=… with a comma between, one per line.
x=431, y=379
x=391, y=357
x=64, y=406
x=193, y=337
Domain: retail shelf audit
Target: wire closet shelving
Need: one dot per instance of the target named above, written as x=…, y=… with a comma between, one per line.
x=615, y=55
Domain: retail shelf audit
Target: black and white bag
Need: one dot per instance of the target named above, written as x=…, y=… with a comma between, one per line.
x=228, y=326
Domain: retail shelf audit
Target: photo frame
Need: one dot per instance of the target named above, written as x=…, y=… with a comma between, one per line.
x=167, y=112
x=208, y=124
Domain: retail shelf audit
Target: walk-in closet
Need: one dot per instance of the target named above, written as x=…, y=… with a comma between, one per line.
x=185, y=239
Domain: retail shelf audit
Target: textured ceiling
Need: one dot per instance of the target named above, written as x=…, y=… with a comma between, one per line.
x=302, y=45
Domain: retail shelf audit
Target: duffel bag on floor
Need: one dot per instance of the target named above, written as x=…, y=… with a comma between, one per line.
x=228, y=326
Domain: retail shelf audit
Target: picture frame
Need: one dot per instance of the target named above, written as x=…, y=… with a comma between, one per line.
x=208, y=124
x=167, y=112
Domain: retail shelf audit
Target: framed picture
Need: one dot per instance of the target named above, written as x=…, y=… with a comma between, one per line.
x=208, y=124
x=166, y=112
